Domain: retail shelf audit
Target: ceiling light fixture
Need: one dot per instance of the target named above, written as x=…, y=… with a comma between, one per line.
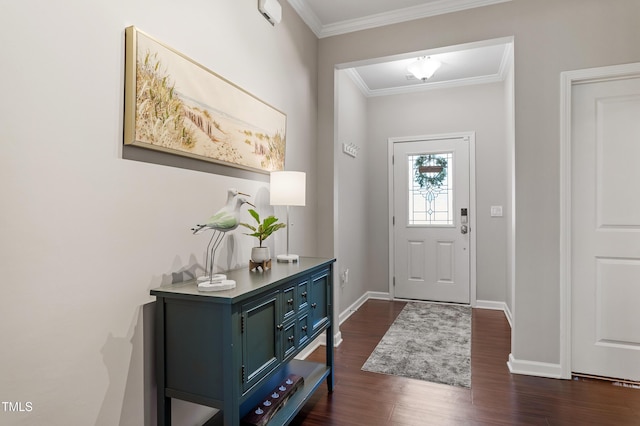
x=424, y=67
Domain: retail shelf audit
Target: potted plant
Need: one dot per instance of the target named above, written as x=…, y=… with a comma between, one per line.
x=262, y=231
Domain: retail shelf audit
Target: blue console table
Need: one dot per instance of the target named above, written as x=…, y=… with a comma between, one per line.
x=229, y=349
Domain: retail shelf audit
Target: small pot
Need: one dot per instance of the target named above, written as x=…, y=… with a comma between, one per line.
x=260, y=254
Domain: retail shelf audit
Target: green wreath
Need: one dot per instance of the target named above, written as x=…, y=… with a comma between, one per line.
x=425, y=179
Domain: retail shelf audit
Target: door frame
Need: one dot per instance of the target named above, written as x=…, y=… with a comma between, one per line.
x=471, y=139
x=567, y=80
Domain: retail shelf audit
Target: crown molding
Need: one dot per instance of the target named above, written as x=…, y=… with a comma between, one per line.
x=423, y=87
x=358, y=81
x=307, y=15
x=439, y=7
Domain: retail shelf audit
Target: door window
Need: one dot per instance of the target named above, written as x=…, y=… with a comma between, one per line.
x=430, y=189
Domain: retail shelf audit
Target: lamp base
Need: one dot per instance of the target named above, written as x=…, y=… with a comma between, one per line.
x=287, y=258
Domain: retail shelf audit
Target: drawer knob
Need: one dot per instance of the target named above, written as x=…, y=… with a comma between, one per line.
x=290, y=301
x=304, y=294
x=279, y=326
x=313, y=305
x=291, y=338
x=304, y=328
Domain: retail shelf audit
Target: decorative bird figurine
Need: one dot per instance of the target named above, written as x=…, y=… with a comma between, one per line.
x=225, y=211
x=224, y=220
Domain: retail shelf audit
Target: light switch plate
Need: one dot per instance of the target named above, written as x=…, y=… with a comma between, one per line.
x=496, y=211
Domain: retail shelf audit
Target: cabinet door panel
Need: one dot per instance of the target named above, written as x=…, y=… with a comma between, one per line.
x=319, y=299
x=260, y=339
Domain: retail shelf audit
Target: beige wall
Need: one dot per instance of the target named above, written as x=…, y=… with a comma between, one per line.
x=354, y=197
x=550, y=36
x=84, y=233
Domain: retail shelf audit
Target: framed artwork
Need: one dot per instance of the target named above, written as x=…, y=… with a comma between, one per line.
x=173, y=104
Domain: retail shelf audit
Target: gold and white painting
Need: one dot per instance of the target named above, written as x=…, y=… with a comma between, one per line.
x=176, y=105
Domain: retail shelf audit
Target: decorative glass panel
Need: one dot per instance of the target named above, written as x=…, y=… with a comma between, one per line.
x=431, y=189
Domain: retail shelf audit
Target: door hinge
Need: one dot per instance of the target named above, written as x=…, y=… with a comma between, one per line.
x=394, y=281
x=242, y=325
x=242, y=373
x=394, y=221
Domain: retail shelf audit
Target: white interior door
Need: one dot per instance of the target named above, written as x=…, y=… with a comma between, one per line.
x=605, y=228
x=431, y=219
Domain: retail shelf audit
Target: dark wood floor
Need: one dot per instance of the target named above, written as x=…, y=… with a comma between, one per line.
x=496, y=397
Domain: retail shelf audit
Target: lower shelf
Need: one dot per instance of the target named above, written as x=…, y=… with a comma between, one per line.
x=314, y=374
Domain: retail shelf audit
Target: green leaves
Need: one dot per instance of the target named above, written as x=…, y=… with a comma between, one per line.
x=268, y=226
x=428, y=179
x=255, y=215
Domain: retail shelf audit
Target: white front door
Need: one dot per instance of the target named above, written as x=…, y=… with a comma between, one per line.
x=431, y=219
x=605, y=228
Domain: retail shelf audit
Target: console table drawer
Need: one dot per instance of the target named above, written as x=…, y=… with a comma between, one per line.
x=289, y=302
x=303, y=294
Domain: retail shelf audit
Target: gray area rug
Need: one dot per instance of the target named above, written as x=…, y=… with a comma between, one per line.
x=427, y=341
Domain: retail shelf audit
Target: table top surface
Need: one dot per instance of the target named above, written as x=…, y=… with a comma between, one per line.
x=248, y=282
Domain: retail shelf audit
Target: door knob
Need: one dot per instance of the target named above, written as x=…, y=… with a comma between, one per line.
x=464, y=229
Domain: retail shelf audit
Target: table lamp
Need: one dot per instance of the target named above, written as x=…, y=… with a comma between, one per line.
x=288, y=189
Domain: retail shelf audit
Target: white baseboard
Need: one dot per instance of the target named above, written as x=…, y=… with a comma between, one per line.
x=379, y=295
x=490, y=304
x=344, y=315
x=310, y=348
x=361, y=300
x=317, y=342
x=507, y=313
x=498, y=306
x=337, y=338
x=534, y=368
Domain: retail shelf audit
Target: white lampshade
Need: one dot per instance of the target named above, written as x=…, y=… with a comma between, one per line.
x=288, y=188
x=424, y=68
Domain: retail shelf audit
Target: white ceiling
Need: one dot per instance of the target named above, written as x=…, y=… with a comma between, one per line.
x=473, y=63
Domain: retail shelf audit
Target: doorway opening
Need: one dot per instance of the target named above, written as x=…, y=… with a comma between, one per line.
x=366, y=116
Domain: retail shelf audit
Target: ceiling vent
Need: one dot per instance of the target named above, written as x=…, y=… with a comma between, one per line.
x=271, y=10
